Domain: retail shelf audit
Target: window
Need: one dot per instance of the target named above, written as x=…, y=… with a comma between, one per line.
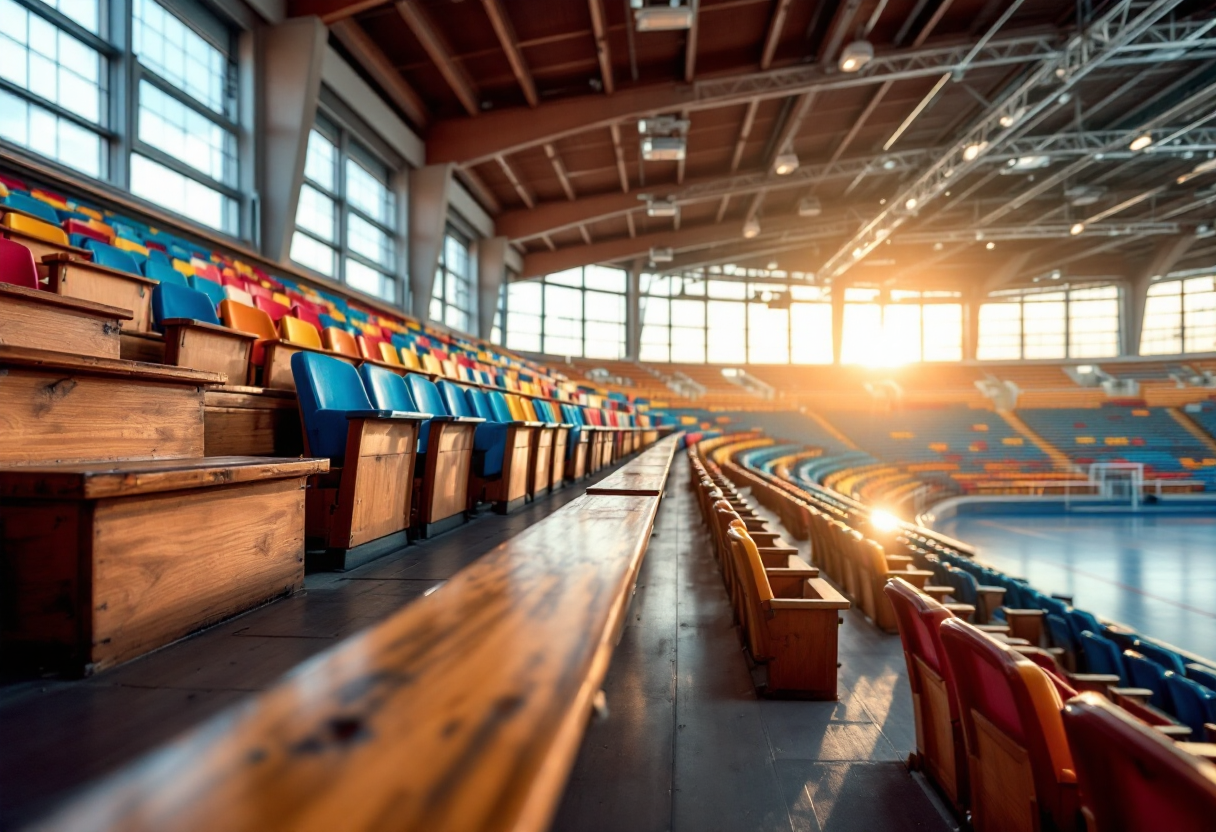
x=55, y=100
x=57, y=60
x=1067, y=323
x=1180, y=317
x=346, y=214
x=915, y=328
x=453, y=298
x=184, y=153
x=578, y=312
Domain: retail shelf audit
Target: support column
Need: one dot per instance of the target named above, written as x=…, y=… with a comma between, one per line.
x=837, y=321
x=491, y=275
x=294, y=52
x=1135, y=293
x=633, y=312
x=430, y=189
x=971, y=329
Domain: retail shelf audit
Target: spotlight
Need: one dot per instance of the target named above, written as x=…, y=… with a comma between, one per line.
x=1077, y=228
x=990, y=246
x=856, y=55
x=857, y=252
x=971, y=151
x=888, y=164
x=910, y=203
x=661, y=208
x=810, y=207
x=785, y=164
x=751, y=228
x=937, y=246
x=772, y=265
x=1141, y=142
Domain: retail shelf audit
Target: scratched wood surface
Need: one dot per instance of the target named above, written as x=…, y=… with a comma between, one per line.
x=463, y=711
x=44, y=320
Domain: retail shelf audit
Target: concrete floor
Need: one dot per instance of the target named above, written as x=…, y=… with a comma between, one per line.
x=688, y=745
x=1153, y=572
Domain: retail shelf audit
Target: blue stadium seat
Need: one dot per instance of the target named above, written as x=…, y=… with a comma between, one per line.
x=211, y=289
x=1205, y=676
x=1143, y=672
x=33, y=207
x=328, y=390
x=490, y=438
x=1103, y=656
x=1061, y=636
x=111, y=257
x=428, y=399
x=1168, y=659
x=172, y=301
x=165, y=273
x=1194, y=704
x=386, y=389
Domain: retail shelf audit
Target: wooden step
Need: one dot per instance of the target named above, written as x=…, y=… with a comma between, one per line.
x=56, y=407
x=489, y=680
x=74, y=277
x=104, y=562
x=43, y=320
x=251, y=421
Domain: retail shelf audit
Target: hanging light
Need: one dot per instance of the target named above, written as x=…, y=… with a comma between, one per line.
x=785, y=164
x=1140, y=142
x=910, y=203
x=856, y=55
x=1077, y=228
x=971, y=151
x=751, y=228
x=991, y=245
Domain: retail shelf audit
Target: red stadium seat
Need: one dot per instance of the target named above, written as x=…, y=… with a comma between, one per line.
x=275, y=310
x=17, y=265
x=1133, y=778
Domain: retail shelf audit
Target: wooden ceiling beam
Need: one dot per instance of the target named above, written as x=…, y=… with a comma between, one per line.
x=364, y=50
x=775, y=26
x=331, y=11
x=599, y=29
x=436, y=47
x=525, y=195
x=559, y=168
x=510, y=45
x=480, y=190
x=620, y=158
x=690, y=44
x=745, y=129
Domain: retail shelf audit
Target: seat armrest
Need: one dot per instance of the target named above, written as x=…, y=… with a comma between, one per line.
x=389, y=415
x=1174, y=732
x=1002, y=629
x=1140, y=695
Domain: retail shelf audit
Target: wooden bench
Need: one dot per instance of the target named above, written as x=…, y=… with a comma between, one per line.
x=465, y=710
x=74, y=277
x=106, y=561
x=37, y=319
x=645, y=475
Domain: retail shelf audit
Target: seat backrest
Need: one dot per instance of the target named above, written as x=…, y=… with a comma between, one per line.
x=480, y=405
x=426, y=395
x=454, y=398
x=1143, y=672
x=340, y=341
x=1194, y=705
x=276, y=311
x=1000, y=690
x=409, y=359
x=327, y=388
x=1103, y=656
x=386, y=389
x=214, y=291
x=1132, y=777
x=299, y=332
x=919, y=618
x=107, y=255
x=17, y=265
x=32, y=206
x=247, y=319
x=36, y=228
x=1168, y=659
x=1061, y=633
x=162, y=271
x=1205, y=676
x=1082, y=620
x=306, y=313
x=499, y=407
x=388, y=353
x=529, y=410
x=239, y=296
x=170, y=300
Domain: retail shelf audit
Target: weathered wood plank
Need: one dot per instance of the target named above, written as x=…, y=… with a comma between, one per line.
x=72, y=277
x=462, y=711
x=44, y=320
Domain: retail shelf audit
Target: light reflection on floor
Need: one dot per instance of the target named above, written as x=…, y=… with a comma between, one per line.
x=1156, y=573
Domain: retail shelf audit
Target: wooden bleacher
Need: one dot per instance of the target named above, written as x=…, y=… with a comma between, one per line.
x=489, y=680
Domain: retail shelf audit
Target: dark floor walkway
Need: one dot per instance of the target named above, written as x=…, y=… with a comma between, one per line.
x=688, y=746
x=56, y=736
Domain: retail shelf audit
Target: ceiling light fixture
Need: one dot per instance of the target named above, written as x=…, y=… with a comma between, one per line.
x=910, y=203
x=662, y=18
x=991, y=245
x=972, y=151
x=810, y=207
x=857, y=252
x=888, y=164
x=661, y=208
x=772, y=265
x=751, y=228
x=785, y=164
x=1077, y=228
x=664, y=148
x=661, y=255
x=1140, y=142
x=856, y=55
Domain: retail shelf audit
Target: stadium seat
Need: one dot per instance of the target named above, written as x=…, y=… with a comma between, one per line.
x=1102, y=656
x=161, y=271
x=1192, y=703
x=111, y=257
x=294, y=331
x=373, y=496
x=1020, y=764
x=172, y=300
x=340, y=341
x=276, y=311
x=1131, y=778
x=29, y=205
x=445, y=444
x=1204, y=675
x=1145, y=673
x=212, y=290
x=17, y=265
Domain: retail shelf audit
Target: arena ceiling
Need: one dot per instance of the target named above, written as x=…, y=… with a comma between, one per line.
x=985, y=143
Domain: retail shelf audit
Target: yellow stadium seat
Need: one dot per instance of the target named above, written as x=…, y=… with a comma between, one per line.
x=1085, y=440
x=431, y=364
x=1140, y=412
x=409, y=359
x=299, y=332
x=130, y=245
x=36, y=228
x=184, y=267
x=388, y=353
x=3, y=191
x=979, y=427
x=90, y=213
x=103, y=227
x=1012, y=440
x=279, y=297
x=517, y=409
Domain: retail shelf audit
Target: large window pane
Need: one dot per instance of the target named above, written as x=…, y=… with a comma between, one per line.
x=1162, y=333
x=26, y=124
x=604, y=279
x=316, y=213
x=768, y=340
x=811, y=333
x=563, y=321
x=1199, y=315
x=181, y=56
x=1093, y=322
x=321, y=160
x=37, y=56
x=369, y=241
x=1043, y=326
x=688, y=345
x=901, y=342
x=943, y=331
x=183, y=195
x=726, y=333
x=862, y=337
x=359, y=276
x=367, y=193
x=313, y=254
x=170, y=126
x=1000, y=332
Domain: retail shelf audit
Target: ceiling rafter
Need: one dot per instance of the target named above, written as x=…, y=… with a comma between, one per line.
x=559, y=168
x=364, y=50
x=437, y=49
x=510, y=45
x=525, y=195
x=599, y=28
x=690, y=43
x=331, y=11
x=619, y=152
x=772, y=38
